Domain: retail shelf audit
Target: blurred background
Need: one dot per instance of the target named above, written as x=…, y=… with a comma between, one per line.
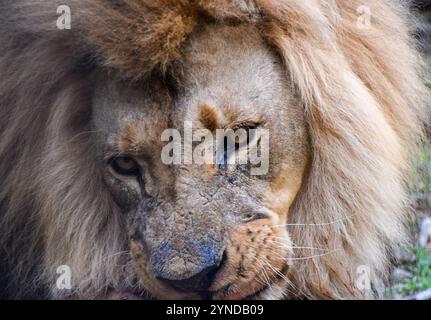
x=411, y=279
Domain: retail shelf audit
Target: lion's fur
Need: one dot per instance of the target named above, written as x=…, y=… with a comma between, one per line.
x=362, y=90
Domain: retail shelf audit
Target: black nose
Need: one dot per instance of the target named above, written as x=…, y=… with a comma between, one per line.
x=199, y=282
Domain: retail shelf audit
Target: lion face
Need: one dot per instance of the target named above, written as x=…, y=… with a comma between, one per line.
x=205, y=230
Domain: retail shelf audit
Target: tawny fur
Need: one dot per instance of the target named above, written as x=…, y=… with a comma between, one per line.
x=362, y=90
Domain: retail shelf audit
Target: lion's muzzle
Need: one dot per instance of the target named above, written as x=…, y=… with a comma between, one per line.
x=191, y=271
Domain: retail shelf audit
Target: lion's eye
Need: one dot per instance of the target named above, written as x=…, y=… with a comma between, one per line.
x=125, y=166
x=244, y=136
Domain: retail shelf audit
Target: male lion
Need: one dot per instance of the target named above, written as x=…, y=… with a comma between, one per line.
x=83, y=107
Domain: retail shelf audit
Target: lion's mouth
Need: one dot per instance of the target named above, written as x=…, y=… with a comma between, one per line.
x=222, y=295
x=226, y=295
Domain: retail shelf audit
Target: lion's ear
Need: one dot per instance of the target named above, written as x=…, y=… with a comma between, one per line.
x=364, y=120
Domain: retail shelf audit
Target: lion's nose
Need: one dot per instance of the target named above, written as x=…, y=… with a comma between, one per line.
x=200, y=281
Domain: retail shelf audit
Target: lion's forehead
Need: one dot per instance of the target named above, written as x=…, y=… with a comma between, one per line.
x=234, y=78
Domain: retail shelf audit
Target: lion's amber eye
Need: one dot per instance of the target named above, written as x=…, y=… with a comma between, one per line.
x=244, y=136
x=125, y=166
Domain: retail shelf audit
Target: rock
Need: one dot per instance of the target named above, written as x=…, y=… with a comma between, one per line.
x=399, y=275
x=425, y=234
x=424, y=295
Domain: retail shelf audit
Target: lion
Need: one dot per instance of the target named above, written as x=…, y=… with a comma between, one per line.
x=338, y=85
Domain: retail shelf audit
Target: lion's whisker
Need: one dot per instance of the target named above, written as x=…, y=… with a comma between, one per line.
x=283, y=245
x=117, y=254
x=310, y=257
x=311, y=224
x=265, y=274
x=283, y=277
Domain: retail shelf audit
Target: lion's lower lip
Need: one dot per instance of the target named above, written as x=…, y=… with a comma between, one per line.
x=223, y=295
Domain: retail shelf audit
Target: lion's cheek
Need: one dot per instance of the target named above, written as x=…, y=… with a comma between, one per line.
x=255, y=256
x=284, y=190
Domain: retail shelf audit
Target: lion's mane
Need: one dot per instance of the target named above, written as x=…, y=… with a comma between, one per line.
x=361, y=88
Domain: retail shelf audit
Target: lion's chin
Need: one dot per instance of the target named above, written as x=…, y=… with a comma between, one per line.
x=117, y=295
x=219, y=295
x=272, y=291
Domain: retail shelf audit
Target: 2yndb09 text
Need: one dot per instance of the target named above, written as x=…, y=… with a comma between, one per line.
x=234, y=309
